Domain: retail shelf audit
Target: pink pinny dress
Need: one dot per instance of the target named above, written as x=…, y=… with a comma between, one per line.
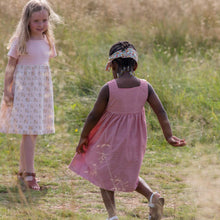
x=32, y=112
x=117, y=143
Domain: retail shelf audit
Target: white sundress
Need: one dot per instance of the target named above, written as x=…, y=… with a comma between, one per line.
x=32, y=112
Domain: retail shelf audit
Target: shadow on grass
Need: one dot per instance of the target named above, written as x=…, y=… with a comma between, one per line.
x=18, y=202
x=20, y=194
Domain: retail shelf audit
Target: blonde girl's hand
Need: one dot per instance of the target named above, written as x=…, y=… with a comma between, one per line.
x=9, y=98
x=82, y=146
x=176, y=142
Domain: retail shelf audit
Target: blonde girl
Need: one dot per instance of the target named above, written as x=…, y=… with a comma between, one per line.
x=27, y=104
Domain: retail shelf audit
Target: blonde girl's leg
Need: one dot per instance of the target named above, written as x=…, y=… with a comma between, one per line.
x=29, y=142
x=22, y=163
x=109, y=201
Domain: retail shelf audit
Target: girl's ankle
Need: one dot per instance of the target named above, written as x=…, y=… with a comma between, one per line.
x=29, y=176
x=154, y=197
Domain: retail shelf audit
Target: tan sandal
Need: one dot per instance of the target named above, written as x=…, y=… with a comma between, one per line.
x=30, y=181
x=156, y=208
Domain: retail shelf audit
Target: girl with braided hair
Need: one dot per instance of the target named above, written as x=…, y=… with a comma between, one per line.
x=113, y=141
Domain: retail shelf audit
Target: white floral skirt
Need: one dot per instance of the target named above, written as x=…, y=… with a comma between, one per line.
x=32, y=112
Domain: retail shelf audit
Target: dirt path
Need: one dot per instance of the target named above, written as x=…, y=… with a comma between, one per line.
x=204, y=181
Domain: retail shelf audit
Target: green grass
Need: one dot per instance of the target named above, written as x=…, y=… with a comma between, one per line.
x=178, y=56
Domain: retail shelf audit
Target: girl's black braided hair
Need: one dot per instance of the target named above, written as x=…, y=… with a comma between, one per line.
x=123, y=62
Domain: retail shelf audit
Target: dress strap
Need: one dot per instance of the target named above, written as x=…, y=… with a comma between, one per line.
x=112, y=84
x=144, y=85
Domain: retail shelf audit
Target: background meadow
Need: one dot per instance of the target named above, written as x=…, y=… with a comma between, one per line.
x=178, y=45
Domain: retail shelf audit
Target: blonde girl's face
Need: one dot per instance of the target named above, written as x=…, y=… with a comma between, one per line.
x=38, y=24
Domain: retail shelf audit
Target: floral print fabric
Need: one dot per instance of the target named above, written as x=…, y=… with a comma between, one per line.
x=128, y=53
x=32, y=112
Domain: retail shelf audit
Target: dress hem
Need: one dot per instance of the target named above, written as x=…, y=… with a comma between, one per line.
x=96, y=184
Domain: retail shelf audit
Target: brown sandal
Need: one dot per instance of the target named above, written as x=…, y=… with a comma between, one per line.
x=20, y=177
x=156, y=208
x=30, y=181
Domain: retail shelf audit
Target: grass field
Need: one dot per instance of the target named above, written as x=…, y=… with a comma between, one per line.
x=178, y=44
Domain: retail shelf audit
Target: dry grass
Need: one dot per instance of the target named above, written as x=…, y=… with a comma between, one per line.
x=172, y=22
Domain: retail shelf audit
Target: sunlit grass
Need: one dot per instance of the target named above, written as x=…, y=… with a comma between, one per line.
x=178, y=45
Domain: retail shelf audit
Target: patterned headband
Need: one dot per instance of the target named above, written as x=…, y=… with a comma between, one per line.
x=128, y=53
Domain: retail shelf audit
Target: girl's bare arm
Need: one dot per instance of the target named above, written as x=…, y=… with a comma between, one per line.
x=9, y=72
x=93, y=117
x=159, y=110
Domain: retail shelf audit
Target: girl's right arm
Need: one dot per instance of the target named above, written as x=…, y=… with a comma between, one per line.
x=159, y=110
x=9, y=72
x=93, y=117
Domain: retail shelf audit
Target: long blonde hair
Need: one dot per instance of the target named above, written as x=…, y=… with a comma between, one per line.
x=22, y=32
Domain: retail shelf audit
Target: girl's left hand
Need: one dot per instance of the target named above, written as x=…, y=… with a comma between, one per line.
x=82, y=146
x=176, y=142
